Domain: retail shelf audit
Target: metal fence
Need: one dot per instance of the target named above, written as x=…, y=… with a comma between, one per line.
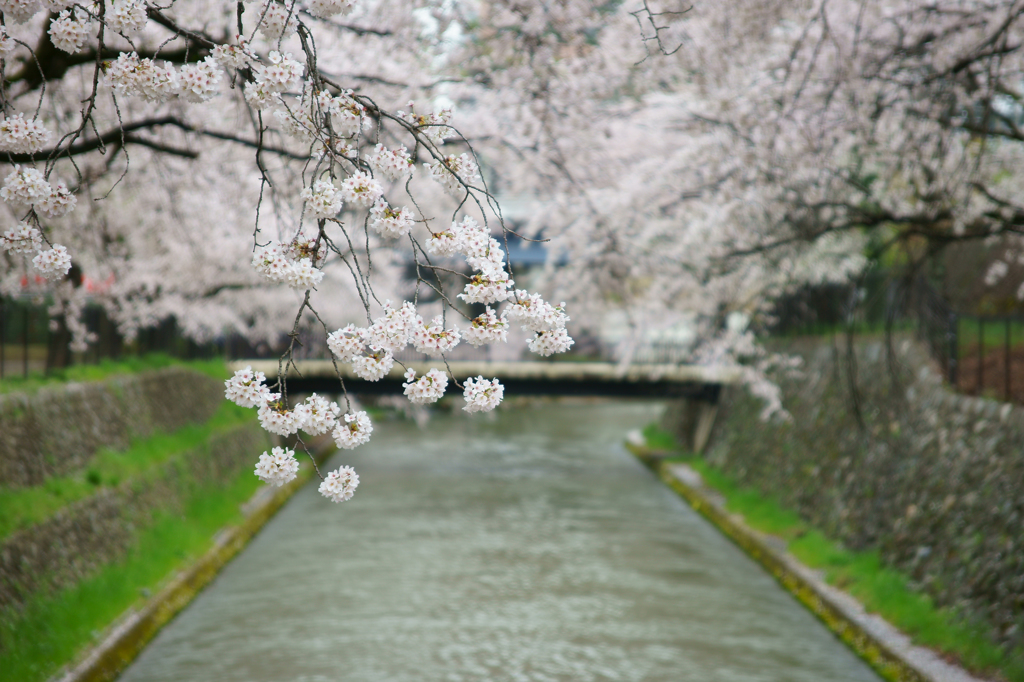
x=22, y=327
x=978, y=355
x=32, y=342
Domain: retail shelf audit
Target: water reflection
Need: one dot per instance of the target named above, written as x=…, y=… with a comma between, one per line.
x=528, y=546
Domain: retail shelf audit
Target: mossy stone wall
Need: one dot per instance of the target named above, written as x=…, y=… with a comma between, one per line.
x=57, y=430
x=880, y=454
x=100, y=529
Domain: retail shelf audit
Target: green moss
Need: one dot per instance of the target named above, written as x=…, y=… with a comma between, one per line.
x=23, y=507
x=53, y=628
x=879, y=588
x=106, y=369
x=659, y=439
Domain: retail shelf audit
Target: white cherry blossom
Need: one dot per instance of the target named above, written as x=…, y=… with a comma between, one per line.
x=53, y=263
x=340, y=485
x=278, y=467
x=482, y=395
x=21, y=239
x=429, y=388
x=353, y=430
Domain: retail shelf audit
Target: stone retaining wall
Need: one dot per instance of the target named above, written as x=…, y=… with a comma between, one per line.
x=57, y=430
x=100, y=529
x=932, y=479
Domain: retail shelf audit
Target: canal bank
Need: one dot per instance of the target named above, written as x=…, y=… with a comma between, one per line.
x=109, y=487
x=892, y=466
x=122, y=642
x=884, y=647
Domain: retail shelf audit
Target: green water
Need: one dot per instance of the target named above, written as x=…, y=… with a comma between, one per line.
x=526, y=545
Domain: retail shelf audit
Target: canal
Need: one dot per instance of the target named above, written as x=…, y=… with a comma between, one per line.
x=522, y=545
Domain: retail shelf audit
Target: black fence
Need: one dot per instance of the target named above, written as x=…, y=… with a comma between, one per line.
x=23, y=327
x=31, y=341
x=978, y=355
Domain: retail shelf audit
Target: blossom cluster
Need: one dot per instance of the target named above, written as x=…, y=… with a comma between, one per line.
x=387, y=222
x=315, y=416
x=361, y=190
x=26, y=187
x=23, y=136
x=340, y=484
x=454, y=172
x=53, y=263
x=487, y=328
x=393, y=164
x=22, y=238
x=428, y=388
x=323, y=199
x=132, y=76
x=353, y=431
x=547, y=321
x=280, y=74
x=69, y=31
x=482, y=395
x=281, y=263
x=278, y=20
x=278, y=467
x=246, y=388
x=433, y=339
x=348, y=116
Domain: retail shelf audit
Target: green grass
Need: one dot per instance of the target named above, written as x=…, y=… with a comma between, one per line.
x=107, y=368
x=23, y=507
x=658, y=439
x=53, y=628
x=859, y=328
x=880, y=589
x=993, y=336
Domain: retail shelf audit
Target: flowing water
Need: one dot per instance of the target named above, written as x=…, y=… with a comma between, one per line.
x=523, y=545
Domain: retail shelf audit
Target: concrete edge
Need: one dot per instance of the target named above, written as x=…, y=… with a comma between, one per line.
x=129, y=635
x=880, y=644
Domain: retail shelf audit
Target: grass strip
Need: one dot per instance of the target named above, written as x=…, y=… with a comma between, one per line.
x=881, y=589
x=52, y=629
x=24, y=507
x=107, y=368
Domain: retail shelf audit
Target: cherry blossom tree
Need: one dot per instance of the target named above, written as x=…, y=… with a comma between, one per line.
x=701, y=159
x=227, y=162
x=232, y=164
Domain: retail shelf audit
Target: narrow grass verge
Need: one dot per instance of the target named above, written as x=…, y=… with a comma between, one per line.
x=107, y=368
x=24, y=507
x=880, y=589
x=53, y=628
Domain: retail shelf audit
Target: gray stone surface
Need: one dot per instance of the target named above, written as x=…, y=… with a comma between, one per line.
x=57, y=430
x=100, y=529
x=932, y=479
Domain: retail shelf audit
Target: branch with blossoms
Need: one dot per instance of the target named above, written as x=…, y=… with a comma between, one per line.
x=343, y=195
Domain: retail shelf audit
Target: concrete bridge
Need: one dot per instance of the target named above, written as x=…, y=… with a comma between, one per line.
x=521, y=378
x=694, y=390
